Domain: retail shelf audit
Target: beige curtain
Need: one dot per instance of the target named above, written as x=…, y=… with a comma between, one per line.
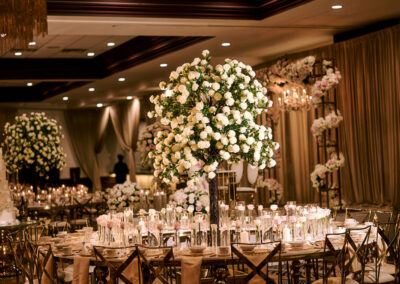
x=369, y=136
x=86, y=130
x=125, y=118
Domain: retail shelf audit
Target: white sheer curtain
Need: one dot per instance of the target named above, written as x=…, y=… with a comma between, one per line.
x=125, y=118
x=86, y=130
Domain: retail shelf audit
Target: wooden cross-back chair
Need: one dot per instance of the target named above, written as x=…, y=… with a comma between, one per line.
x=83, y=208
x=358, y=251
x=43, y=259
x=387, y=246
x=116, y=269
x=258, y=269
x=359, y=214
x=165, y=269
x=34, y=232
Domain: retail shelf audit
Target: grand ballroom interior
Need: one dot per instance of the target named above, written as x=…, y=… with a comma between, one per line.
x=202, y=141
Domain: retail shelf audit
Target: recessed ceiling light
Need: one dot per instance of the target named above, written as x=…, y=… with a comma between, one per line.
x=29, y=84
x=163, y=65
x=335, y=7
x=18, y=53
x=129, y=98
x=110, y=43
x=65, y=98
x=122, y=79
x=32, y=43
x=90, y=54
x=91, y=89
x=226, y=44
x=99, y=105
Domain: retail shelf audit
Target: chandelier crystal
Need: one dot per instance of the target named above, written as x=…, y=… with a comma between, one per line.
x=20, y=22
x=294, y=98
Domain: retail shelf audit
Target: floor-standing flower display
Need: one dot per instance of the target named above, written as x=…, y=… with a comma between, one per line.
x=33, y=142
x=212, y=113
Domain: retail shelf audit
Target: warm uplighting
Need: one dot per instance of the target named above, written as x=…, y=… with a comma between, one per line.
x=226, y=44
x=163, y=65
x=110, y=43
x=65, y=98
x=90, y=54
x=29, y=84
x=32, y=43
x=294, y=98
x=129, y=98
x=18, y=53
x=335, y=7
x=99, y=105
x=122, y=79
x=92, y=89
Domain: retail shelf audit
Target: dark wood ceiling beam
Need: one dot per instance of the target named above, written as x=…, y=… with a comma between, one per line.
x=205, y=9
x=49, y=69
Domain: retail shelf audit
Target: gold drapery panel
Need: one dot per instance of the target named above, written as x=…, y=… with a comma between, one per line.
x=369, y=136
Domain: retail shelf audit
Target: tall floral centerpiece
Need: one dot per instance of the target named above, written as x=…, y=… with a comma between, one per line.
x=212, y=113
x=33, y=143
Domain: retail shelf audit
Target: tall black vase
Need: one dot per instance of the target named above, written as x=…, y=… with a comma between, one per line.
x=214, y=211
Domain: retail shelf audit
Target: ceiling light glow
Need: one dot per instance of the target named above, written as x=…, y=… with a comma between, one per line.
x=110, y=43
x=129, y=98
x=90, y=54
x=122, y=79
x=335, y=7
x=32, y=43
x=99, y=105
x=91, y=89
x=226, y=44
x=18, y=53
x=163, y=65
x=65, y=98
x=29, y=84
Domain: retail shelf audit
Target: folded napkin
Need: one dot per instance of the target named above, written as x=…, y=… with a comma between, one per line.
x=132, y=272
x=190, y=269
x=81, y=270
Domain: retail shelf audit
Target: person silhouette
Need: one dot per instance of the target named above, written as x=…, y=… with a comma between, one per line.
x=120, y=170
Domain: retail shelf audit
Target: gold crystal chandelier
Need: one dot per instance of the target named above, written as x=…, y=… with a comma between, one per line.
x=20, y=22
x=294, y=98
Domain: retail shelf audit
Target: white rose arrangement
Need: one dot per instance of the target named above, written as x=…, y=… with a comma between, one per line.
x=145, y=143
x=276, y=188
x=272, y=184
x=192, y=198
x=328, y=81
x=332, y=120
x=318, y=175
x=33, y=142
x=320, y=171
x=335, y=162
x=212, y=116
x=122, y=195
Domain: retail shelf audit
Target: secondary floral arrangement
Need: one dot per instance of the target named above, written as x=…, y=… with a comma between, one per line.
x=328, y=81
x=123, y=195
x=335, y=162
x=272, y=184
x=33, y=142
x=192, y=198
x=332, y=120
x=318, y=175
x=320, y=171
x=212, y=113
x=146, y=142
